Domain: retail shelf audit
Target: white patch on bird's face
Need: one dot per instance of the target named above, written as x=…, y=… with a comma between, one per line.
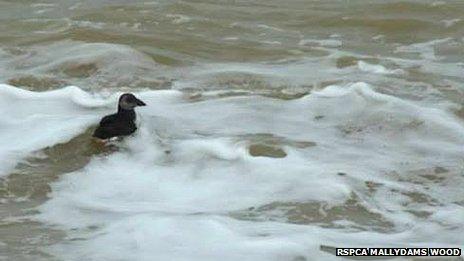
x=125, y=104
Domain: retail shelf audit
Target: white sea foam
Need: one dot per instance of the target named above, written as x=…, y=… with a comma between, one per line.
x=272, y=28
x=148, y=204
x=450, y=22
x=88, y=24
x=179, y=19
x=377, y=68
x=325, y=43
x=272, y=42
x=31, y=121
x=96, y=64
x=426, y=50
x=231, y=38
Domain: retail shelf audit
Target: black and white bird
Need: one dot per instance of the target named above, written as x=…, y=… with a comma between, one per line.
x=121, y=123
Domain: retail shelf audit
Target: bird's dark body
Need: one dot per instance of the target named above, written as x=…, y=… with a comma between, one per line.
x=121, y=123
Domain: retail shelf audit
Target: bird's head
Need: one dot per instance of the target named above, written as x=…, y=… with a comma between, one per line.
x=128, y=101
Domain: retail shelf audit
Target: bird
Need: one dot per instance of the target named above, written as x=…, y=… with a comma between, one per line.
x=121, y=123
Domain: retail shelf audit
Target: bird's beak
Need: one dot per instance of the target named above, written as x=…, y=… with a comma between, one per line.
x=140, y=103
